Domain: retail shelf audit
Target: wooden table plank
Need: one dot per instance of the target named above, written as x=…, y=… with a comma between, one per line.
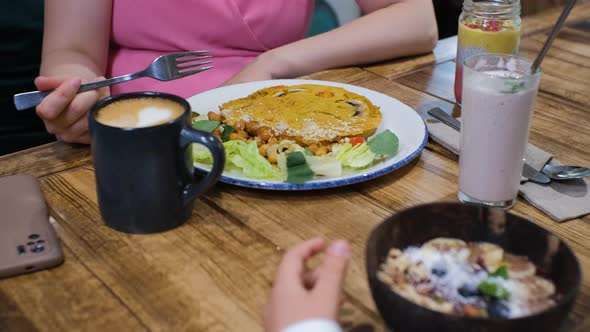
x=45, y=159
x=566, y=67
x=573, y=38
x=546, y=19
x=164, y=278
x=62, y=298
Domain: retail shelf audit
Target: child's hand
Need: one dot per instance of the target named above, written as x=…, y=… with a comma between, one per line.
x=299, y=293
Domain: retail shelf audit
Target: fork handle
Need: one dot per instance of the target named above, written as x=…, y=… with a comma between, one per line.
x=26, y=100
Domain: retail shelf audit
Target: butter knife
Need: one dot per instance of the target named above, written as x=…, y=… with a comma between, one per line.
x=527, y=170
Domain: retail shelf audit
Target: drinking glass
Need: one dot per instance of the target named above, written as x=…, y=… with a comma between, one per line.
x=499, y=94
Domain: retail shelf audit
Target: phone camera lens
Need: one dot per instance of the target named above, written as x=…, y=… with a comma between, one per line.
x=38, y=248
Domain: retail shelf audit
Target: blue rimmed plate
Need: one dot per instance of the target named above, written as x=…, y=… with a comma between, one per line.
x=397, y=117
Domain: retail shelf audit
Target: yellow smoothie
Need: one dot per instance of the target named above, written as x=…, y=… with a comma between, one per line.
x=477, y=36
x=505, y=40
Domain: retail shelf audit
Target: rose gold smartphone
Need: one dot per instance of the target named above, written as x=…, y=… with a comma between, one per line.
x=28, y=242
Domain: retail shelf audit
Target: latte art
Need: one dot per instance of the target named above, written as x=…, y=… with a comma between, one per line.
x=139, y=112
x=152, y=115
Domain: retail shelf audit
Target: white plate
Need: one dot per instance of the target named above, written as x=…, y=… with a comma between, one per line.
x=397, y=117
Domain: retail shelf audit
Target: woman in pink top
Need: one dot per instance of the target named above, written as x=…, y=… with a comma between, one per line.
x=86, y=40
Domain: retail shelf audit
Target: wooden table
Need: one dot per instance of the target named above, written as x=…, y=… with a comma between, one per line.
x=214, y=273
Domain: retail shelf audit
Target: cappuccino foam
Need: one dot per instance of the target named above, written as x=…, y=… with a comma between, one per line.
x=139, y=112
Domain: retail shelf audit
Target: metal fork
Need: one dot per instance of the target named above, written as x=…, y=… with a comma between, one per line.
x=164, y=68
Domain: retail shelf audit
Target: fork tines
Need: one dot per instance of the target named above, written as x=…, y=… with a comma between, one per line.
x=192, y=59
x=190, y=72
x=187, y=60
x=183, y=54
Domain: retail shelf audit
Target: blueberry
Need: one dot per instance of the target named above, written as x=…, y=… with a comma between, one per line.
x=438, y=272
x=498, y=309
x=468, y=290
x=439, y=269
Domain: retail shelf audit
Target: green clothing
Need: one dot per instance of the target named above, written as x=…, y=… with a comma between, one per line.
x=323, y=19
x=21, y=28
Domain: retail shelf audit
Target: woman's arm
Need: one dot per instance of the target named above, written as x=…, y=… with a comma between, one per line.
x=75, y=50
x=389, y=29
x=76, y=38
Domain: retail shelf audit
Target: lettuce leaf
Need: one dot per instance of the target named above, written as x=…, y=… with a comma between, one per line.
x=324, y=165
x=201, y=154
x=298, y=170
x=245, y=156
x=385, y=143
x=242, y=156
x=206, y=125
x=227, y=130
x=358, y=156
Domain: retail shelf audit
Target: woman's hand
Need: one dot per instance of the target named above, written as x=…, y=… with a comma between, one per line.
x=300, y=293
x=258, y=70
x=65, y=112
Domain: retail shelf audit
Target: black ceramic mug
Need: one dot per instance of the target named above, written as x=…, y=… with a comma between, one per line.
x=144, y=170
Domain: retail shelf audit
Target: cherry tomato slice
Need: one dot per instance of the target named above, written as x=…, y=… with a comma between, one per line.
x=356, y=140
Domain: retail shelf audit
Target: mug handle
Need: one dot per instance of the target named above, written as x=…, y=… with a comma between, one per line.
x=187, y=136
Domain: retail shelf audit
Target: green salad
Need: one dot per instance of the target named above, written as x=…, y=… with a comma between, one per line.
x=295, y=163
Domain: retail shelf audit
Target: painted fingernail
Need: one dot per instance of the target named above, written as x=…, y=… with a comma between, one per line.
x=339, y=248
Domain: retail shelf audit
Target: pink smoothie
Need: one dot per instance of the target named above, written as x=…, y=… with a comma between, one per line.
x=496, y=118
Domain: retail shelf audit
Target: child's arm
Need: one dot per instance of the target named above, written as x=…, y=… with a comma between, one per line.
x=304, y=299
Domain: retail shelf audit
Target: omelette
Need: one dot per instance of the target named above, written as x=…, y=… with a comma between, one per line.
x=306, y=113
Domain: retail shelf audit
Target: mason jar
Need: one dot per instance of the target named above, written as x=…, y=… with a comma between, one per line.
x=486, y=26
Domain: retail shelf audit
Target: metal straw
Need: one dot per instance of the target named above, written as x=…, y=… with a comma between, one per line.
x=566, y=11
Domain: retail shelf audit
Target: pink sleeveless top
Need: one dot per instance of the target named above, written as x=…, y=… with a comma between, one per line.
x=235, y=31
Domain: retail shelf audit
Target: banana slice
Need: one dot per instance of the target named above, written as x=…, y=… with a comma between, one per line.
x=394, y=253
x=540, y=288
x=396, y=262
x=410, y=293
x=418, y=273
x=444, y=244
x=519, y=266
x=540, y=305
x=491, y=256
x=532, y=289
